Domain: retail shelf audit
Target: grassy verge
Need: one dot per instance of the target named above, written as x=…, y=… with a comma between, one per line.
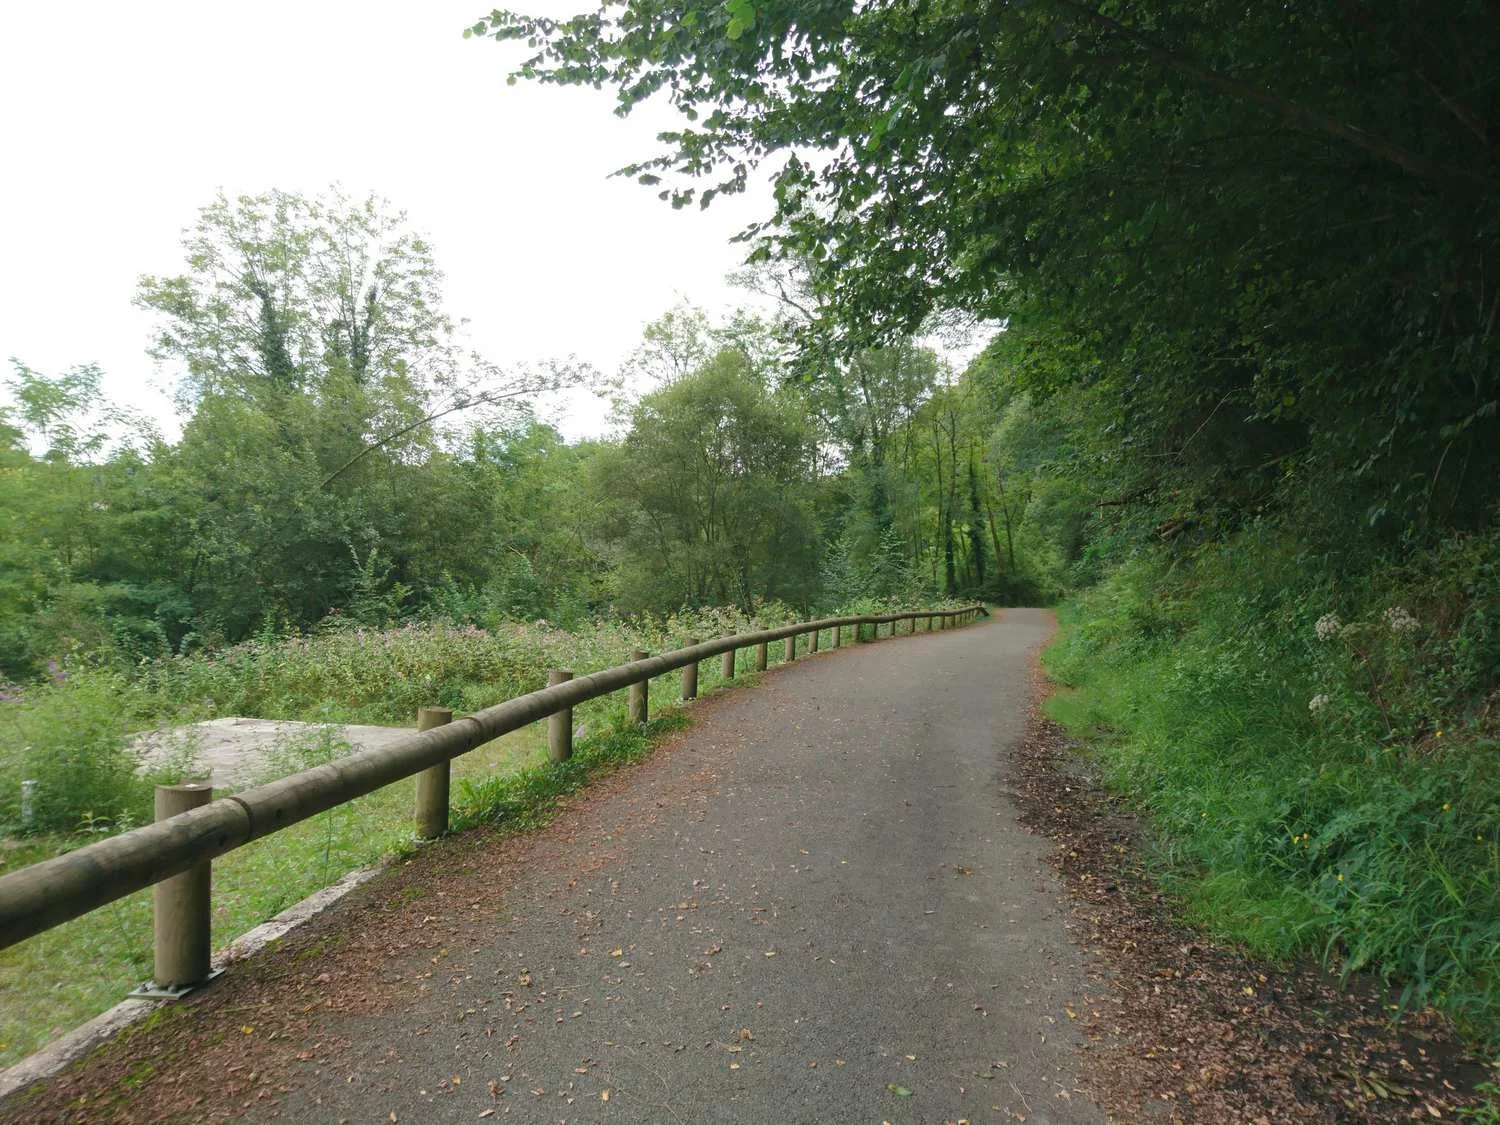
x=1317, y=759
x=56, y=980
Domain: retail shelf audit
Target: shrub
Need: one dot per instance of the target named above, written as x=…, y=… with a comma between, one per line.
x=1316, y=754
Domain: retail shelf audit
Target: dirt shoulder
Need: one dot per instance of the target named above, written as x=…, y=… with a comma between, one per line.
x=1182, y=1028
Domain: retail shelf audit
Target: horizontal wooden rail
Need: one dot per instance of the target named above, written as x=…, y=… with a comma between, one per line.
x=46, y=894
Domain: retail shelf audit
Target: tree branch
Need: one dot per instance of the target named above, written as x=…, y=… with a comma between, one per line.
x=487, y=399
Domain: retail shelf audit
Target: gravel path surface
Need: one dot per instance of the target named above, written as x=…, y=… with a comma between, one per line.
x=816, y=905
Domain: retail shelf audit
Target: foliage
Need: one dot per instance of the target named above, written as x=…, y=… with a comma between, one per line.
x=1314, y=753
x=1264, y=238
x=69, y=737
x=528, y=798
x=708, y=493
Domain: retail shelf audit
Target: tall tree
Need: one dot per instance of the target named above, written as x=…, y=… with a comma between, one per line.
x=1260, y=230
x=707, y=497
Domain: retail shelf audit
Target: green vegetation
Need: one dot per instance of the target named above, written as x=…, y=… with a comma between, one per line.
x=58, y=979
x=1239, y=407
x=1318, y=771
x=55, y=981
x=1244, y=262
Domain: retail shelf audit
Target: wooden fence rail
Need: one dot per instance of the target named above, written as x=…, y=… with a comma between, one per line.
x=46, y=894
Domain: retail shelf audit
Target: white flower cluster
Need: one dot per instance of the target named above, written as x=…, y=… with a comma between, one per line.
x=1398, y=620
x=1328, y=627
x=1317, y=703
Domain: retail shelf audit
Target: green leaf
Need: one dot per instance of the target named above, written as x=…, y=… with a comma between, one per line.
x=899, y=1091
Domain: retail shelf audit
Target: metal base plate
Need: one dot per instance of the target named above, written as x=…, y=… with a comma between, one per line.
x=152, y=991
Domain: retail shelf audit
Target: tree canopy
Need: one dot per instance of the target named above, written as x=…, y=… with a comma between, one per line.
x=1266, y=231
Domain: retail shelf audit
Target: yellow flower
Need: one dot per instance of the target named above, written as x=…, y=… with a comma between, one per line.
x=1446, y=806
x=1341, y=876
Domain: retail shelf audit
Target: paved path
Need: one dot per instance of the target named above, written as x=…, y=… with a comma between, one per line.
x=816, y=906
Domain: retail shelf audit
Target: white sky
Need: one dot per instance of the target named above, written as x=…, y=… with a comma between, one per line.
x=120, y=120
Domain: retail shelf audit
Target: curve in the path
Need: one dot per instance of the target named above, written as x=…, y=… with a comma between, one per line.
x=816, y=906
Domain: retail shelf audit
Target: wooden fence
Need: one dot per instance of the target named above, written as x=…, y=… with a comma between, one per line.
x=174, y=853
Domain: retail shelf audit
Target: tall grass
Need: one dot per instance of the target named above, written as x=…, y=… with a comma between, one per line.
x=1317, y=758
x=71, y=734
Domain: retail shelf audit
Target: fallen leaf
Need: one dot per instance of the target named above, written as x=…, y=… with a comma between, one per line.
x=899, y=1091
x=248, y=1030
x=734, y=1066
x=617, y=952
x=486, y=1112
x=604, y=1095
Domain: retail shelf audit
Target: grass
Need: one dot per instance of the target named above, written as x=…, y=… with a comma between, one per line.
x=1317, y=769
x=58, y=979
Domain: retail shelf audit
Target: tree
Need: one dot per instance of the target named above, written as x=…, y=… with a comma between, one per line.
x=1270, y=226
x=316, y=362
x=707, y=497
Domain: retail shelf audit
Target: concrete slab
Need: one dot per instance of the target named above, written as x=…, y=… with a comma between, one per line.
x=235, y=752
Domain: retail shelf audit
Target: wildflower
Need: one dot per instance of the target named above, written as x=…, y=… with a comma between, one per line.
x=1327, y=627
x=1341, y=876
x=1317, y=703
x=1446, y=806
x=1398, y=620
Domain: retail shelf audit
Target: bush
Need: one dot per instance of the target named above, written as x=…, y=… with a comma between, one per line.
x=1316, y=754
x=69, y=736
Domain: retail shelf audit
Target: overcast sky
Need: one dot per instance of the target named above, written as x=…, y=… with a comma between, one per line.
x=121, y=120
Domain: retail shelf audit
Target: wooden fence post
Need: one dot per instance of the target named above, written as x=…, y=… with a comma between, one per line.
x=181, y=905
x=432, y=783
x=639, y=694
x=560, y=723
x=726, y=665
x=791, y=648
x=812, y=641
x=690, y=675
x=761, y=656
x=838, y=636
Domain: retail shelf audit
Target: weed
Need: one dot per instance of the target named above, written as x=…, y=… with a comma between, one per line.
x=1316, y=760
